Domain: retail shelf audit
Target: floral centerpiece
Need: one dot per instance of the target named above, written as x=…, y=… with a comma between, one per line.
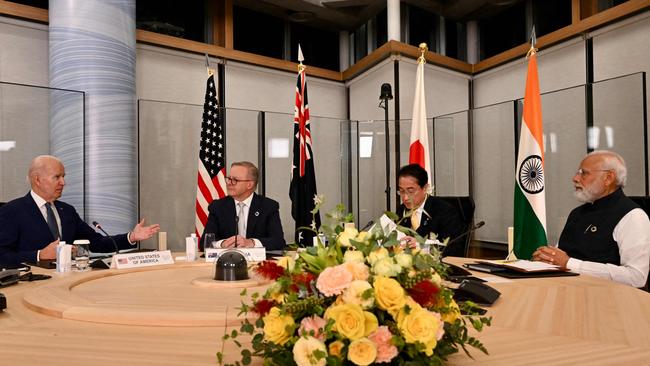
x=363, y=299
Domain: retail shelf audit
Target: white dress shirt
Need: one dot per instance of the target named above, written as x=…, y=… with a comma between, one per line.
x=40, y=203
x=632, y=234
x=246, y=210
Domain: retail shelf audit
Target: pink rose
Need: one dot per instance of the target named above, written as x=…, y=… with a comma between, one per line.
x=333, y=280
x=315, y=323
x=386, y=351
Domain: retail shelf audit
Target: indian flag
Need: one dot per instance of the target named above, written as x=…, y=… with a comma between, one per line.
x=530, y=202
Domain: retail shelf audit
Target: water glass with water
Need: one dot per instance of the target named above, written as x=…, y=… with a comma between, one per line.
x=209, y=241
x=82, y=254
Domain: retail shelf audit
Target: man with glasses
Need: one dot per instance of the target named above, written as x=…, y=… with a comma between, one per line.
x=245, y=219
x=427, y=214
x=609, y=235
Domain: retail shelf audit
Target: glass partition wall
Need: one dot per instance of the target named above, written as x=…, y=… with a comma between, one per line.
x=28, y=128
x=473, y=154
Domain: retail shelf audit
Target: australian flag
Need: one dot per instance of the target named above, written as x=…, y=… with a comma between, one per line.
x=303, y=177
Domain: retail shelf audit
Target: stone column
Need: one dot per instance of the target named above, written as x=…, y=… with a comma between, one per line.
x=393, y=17
x=92, y=49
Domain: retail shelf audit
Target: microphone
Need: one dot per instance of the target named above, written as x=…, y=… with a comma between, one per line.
x=367, y=225
x=477, y=226
x=236, y=229
x=98, y=226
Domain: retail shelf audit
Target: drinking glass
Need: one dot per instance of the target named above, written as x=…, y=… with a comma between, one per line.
x=82, y=254
x=209, y=241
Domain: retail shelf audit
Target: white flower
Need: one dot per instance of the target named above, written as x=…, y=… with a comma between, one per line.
x=386, y=267
x=353, y=256
x=376, y=255
x=405, y=260
x=303, y=352
x=354, y=294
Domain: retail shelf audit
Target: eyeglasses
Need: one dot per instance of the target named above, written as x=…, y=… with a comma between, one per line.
x=582, y=172
x=408, y=191
x=234, y=181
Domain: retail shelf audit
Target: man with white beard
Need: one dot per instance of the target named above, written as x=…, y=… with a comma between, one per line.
x=609, y=235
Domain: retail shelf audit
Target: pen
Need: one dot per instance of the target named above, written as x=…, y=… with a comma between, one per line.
x=588, y=227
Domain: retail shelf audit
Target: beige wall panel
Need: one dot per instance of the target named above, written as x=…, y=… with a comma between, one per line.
x=560, y=67
x=23, y=52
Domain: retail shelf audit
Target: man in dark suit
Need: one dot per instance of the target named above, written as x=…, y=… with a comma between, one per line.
x=32, y=226
x=244, y=218
x=427, y=214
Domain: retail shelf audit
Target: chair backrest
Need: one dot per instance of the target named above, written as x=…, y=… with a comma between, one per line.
x=465, y=208
x=644, y=202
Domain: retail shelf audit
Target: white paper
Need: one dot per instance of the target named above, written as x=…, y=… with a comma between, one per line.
x=524, y=265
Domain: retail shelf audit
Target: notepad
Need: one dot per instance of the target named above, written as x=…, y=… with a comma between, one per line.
x=523, y=265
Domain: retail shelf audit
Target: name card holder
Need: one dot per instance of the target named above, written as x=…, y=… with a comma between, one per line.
x=251, y=254
x=144, y=259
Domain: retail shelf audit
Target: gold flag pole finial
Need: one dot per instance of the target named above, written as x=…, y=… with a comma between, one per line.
x=423, y=49
x=207, y=65
x=533, y=42
x=301, y=58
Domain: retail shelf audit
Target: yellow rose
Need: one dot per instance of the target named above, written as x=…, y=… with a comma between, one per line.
x=389, y=294
x=421, y=326
x=362, y=352
x=386, y=267
x=345, y=236
x=275, y=293
x=278, y=328
x=404, y=260
x=453, y=313
x=303, y=352
x=349, y=320
x=354, y=294
x=371, y=323
x=336, y=349
x=287, y=263
x=376, y=255
x=363, y=237
x=353, y=256
x=412, y=306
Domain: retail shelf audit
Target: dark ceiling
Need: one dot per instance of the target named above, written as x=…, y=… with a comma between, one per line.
x=350, y=14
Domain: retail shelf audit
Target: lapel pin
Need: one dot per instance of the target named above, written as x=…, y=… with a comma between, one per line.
x=594, y=229
x=257, y=213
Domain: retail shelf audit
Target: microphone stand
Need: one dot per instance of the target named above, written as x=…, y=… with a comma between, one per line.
x=98, y=226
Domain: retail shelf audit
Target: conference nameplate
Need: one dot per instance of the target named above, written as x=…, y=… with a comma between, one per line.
x=143, y=259
x=251, y=254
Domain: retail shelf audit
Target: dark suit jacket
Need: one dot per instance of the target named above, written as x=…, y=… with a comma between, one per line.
x=24, y=231
x=442, y=219
x=263, y=221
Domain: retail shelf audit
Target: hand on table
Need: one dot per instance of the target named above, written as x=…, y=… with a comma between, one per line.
x=49, y=252
x=237, y=241
x=552, y=256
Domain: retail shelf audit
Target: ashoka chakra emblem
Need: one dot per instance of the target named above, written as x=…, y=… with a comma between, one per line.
x=531, y=174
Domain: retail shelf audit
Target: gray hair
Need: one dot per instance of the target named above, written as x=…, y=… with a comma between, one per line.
x=615, y=162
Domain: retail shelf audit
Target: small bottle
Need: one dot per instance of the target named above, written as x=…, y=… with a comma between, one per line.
x=63, y=257
x=191, y=246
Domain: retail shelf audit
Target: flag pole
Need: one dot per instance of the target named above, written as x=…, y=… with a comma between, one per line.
x=207, y=65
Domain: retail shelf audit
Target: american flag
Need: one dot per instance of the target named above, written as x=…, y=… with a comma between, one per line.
x=303, y=177
x=212, y=156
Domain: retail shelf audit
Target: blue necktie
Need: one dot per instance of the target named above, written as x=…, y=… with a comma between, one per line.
x=51, y=221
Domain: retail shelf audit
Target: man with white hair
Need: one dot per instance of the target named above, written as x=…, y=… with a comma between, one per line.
x=32, y=226
x=609, y=235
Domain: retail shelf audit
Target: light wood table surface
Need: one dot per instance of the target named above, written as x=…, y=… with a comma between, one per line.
x=167, y=315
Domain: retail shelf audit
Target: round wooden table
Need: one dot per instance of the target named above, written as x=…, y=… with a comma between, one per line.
x=174, y=315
